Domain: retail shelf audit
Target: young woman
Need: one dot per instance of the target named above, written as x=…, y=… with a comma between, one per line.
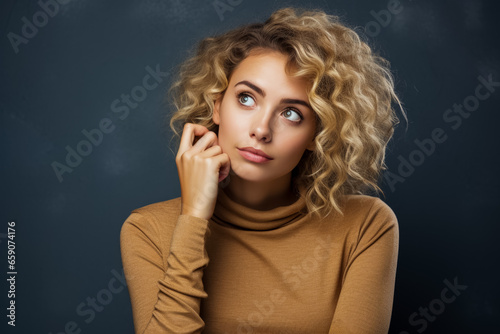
x=284, y=130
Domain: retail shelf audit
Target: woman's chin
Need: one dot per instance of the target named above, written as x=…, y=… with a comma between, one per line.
x=252, y=174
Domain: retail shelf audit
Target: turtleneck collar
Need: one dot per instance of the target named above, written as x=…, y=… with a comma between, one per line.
x=229, y=213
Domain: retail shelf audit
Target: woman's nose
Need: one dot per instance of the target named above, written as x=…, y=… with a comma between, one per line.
x=261, y=127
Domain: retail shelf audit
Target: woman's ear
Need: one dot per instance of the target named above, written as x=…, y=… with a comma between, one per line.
x=216, y=114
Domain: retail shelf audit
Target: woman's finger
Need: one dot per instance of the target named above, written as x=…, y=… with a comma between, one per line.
x=189, y=132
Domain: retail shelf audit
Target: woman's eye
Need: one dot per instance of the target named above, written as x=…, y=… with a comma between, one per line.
x=294, y=115
x=246, y=100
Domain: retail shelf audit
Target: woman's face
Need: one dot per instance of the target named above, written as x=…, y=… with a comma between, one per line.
x=265, y=109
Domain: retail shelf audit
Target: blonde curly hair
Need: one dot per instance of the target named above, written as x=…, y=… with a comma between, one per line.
x=352, y=90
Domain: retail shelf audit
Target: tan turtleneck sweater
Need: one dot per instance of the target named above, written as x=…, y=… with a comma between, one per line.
x=251, y=271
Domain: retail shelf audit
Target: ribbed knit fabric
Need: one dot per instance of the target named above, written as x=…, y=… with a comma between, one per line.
x=251, y=271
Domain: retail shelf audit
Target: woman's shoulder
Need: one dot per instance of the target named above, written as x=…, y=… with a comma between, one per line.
x=152, y=218
x=365, y=221
x=367, y=202
x=367, y=209
x=160, y=210
x=147, y=231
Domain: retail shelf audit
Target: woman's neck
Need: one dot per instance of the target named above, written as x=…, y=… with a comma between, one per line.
x=261, y=195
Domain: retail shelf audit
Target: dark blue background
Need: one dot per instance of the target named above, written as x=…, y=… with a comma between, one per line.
x=65, y=78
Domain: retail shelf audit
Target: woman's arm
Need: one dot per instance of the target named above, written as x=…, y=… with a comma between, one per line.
x=165, y=300
x=366, y=298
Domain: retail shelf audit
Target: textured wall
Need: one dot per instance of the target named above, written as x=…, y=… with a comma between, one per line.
x=66, y=71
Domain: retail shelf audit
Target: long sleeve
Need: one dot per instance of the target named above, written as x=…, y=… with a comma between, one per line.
x=165, y=300
x=366, y=297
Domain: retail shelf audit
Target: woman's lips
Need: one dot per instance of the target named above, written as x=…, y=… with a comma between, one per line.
x=245, y=153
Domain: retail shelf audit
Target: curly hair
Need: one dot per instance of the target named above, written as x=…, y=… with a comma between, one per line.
x=352, y=90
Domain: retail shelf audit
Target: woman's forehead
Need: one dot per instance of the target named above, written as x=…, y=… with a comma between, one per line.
x=267, y=68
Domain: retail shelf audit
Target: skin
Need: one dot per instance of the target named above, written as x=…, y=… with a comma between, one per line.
x=201, y=166
x=261, y=119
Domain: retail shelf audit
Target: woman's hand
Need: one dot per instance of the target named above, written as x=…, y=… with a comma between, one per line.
x=201, y=166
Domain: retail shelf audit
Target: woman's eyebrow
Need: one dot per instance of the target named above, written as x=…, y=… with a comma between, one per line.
x=251, y=85
x=294, y=101
x=263, y=94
